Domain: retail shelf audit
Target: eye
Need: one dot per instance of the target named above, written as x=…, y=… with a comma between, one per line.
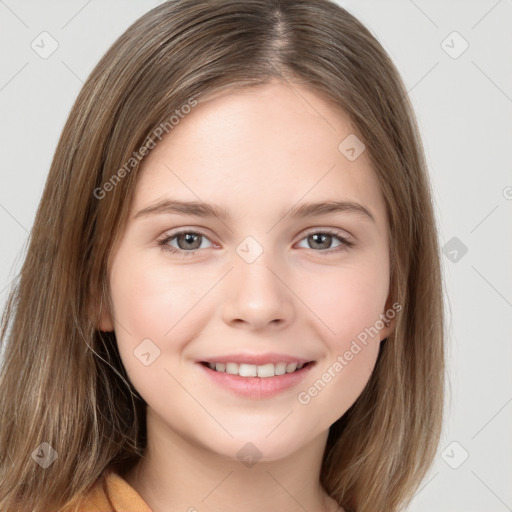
x=188, y=242
x=322, y=239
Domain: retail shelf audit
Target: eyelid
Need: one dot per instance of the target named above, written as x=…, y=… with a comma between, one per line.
x=343, y=237
x=172, y=234
x=331, y=231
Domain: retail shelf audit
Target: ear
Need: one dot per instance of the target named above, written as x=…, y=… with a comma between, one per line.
x=105, y=323
x=389, y=318
x=100, y=313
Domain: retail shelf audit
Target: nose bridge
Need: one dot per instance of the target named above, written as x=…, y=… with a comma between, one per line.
x=256, y=268
x=258, y=295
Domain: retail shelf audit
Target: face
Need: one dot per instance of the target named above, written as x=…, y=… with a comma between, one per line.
x=264, y=281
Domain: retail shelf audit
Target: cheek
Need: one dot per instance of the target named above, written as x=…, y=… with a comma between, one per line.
x=155, y=310
x=349, y=299
x=348, y=303
x=150, y=300
x=339, y=382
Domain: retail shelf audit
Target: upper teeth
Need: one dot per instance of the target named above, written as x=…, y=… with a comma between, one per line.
x=252, y=370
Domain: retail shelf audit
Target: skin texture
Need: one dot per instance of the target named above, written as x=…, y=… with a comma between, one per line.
x=257, y=153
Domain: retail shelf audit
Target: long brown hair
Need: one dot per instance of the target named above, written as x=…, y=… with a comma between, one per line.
x=62, y=381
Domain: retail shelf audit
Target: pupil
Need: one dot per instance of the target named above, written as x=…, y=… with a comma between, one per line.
x=324, y=237
x=189, y=239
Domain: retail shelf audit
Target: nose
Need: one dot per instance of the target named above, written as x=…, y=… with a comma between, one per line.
x=257, y=295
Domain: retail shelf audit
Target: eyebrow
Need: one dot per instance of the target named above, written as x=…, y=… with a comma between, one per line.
x=201, y=209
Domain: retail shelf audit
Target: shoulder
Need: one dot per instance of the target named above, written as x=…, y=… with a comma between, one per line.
x=112, y=493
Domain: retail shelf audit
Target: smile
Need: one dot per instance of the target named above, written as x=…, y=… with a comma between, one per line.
x=256, y=381
x=252, y=370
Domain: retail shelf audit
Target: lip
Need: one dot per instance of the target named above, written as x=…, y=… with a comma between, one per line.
x=257, y=359
x=256, y=388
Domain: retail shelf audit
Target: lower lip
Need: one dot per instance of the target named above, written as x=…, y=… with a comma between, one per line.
x=257, y=387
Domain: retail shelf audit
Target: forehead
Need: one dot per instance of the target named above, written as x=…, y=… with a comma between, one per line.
x=257, y=147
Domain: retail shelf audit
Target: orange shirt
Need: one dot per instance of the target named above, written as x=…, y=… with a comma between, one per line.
x=112, y=493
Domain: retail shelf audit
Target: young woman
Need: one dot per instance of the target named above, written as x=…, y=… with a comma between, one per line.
x=232, y=296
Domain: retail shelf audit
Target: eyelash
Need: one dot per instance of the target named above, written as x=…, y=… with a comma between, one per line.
x=345, y=243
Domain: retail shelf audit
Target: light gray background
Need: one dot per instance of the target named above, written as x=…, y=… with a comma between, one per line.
x=464, y=107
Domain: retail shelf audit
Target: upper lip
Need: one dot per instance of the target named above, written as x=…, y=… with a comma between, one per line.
x=257, y=359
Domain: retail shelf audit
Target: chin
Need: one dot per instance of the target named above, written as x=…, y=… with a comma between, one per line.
x=251, y=450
